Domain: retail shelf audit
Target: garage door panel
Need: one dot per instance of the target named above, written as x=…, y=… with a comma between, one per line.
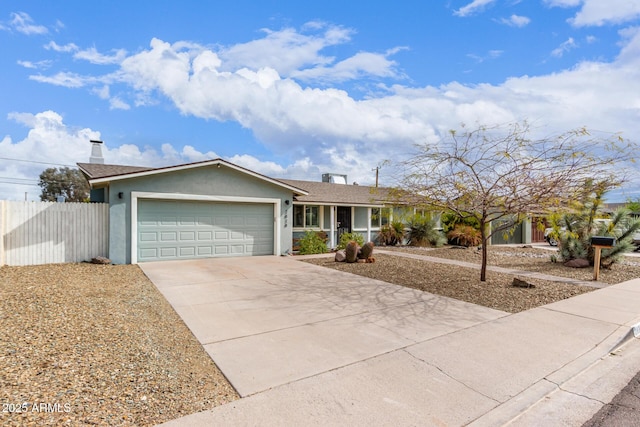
x=187, y=236
x=168, y=252
x=187, y=251
x=205, y=250
x=168, y=236
x=205, y=236
x=148, y=237
x=182, y=229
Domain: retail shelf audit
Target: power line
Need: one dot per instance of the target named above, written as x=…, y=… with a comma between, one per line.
x=33, y=161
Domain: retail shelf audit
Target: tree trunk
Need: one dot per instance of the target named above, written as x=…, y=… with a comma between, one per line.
x=483, y=234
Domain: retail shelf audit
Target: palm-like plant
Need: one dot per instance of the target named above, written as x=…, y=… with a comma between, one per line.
x=423, y=232
x=391, y=234
x=586, y=222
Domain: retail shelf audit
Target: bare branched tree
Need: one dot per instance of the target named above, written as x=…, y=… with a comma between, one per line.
x=500, y=175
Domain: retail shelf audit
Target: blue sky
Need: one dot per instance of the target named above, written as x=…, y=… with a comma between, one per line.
x=294, y=90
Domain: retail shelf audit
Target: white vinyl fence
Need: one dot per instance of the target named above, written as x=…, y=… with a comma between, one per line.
x=47, y=232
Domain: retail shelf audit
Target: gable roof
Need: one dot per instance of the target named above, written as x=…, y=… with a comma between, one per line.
x=97, y=170
x=101, y=173
x=329, y=193
x=305, y=191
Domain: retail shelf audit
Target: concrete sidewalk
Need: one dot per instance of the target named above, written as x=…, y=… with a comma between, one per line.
x=312, y=346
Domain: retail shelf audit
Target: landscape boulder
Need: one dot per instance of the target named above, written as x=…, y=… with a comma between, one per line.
x=519, y=283
x=340, y=256
x=577, y=263
x=100, y=260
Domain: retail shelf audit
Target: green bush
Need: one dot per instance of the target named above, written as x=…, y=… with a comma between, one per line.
x=347, y=237
x=449, y=220
x=312, y=243
x=423, y=232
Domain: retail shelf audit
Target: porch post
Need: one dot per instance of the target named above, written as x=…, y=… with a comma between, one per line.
x=332, y=228
x=368, y=224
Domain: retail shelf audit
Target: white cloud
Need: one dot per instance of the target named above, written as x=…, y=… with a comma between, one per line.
x=599, y=12
x=116, y=103
x=70, y=80
x=43, y=65
x=70, y=47
x=516, y=21
x=23, y=23
x=564, y=47
x=361, y=64
x=333, y=131
x=293, y=49
x=474, y=7
x=93, y=56
x=52, y=143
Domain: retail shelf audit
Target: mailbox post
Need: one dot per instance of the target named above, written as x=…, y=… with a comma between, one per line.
x=599, y=242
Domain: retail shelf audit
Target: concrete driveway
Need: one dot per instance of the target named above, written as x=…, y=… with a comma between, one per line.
x=312, y=346
x=268, y=321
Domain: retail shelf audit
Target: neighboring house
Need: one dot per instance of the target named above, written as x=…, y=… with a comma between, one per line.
x=215, y=208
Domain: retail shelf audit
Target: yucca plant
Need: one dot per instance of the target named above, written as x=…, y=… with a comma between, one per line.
x=578, y=227
x=423, y=232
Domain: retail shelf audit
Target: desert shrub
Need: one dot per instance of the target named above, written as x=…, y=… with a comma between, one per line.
x=575, y=229
x=391, y=234
x=312, y=243
x=347, y=237
x=449, y=220
x=465, y=235
x=423, y=232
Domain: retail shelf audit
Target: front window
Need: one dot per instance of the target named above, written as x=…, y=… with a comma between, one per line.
x=306, y=216
x=311, y=217
x=379, y=217
x=375, y=217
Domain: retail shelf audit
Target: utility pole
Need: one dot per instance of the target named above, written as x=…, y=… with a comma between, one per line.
x=377, y=170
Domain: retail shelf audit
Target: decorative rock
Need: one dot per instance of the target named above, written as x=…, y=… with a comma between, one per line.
x=577, y=263
x=362, y=260
x=340, y=256
x=522, y=283
x=366, y=251
x=351, y=251
x=100, y=260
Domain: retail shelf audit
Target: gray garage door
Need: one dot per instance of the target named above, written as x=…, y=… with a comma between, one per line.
x=183, y=230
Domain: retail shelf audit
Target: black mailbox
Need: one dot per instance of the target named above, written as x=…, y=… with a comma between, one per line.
x=603, y=241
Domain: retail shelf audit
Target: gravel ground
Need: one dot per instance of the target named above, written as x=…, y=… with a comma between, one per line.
x=464, y=283
x=531, y=259
x=84, y=344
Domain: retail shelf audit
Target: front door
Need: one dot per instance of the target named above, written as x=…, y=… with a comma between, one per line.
x=343, y=215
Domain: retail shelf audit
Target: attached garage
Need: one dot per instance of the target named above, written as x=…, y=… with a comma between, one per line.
x=170, y=229
x=196, y=210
